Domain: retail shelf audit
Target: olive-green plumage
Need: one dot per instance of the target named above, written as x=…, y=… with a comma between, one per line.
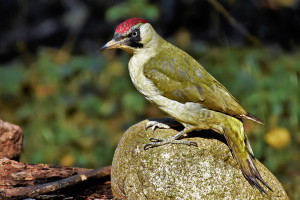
x=180, y=86
x=187, y=81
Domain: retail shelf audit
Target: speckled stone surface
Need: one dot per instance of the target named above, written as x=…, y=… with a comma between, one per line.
x=180, y=171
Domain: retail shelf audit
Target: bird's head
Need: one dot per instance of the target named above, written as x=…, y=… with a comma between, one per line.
x=131, y=35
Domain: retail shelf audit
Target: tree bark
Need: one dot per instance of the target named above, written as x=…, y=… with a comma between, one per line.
x=19, y=180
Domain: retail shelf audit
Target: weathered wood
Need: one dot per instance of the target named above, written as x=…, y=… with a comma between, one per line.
x=21, y=180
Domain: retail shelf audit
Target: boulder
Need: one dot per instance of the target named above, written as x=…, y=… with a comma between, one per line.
x=177, y=171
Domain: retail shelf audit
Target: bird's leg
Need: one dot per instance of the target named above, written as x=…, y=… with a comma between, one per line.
x=162, y=123
x=156, y=142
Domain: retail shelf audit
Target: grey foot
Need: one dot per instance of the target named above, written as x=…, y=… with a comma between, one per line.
x=156, y=142
x=162, y=123
x=155, y=125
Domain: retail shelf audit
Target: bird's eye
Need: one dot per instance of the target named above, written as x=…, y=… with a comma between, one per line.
x=134, y=34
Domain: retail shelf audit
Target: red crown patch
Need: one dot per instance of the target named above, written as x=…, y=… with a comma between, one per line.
x=126, y=25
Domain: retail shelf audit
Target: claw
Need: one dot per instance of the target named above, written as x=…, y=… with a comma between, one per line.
x=193, y=144
x=153, y=128
x=148, y=125
x=149, y=145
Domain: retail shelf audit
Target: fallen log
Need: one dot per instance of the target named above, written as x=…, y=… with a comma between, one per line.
x=19, y=180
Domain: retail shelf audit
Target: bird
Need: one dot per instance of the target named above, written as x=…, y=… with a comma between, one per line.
x=180, y=86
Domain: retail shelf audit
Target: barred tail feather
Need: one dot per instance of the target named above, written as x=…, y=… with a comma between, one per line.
x=246, y=160
x=254, y=175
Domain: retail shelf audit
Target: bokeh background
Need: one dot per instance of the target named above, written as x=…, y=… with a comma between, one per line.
x=74, y=103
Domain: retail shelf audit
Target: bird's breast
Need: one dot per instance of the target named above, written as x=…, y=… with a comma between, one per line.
x=142, y=84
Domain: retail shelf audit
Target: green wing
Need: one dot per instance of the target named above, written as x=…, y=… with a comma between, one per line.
x=181, y=78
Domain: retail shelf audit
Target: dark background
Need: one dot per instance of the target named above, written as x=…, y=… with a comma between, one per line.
x=74, y=103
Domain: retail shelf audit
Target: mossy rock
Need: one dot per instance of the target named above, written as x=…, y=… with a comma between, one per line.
x=177, y=171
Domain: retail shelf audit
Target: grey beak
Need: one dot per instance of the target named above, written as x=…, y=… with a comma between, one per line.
x=110, y=45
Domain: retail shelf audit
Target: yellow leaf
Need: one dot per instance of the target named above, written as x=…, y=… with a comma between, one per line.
x=278, y=138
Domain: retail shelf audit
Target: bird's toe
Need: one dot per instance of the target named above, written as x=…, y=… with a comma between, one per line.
x=154, y=125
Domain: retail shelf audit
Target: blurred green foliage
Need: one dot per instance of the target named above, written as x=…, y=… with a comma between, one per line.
x=132, y=8
x=75, y=113
x=66, y=110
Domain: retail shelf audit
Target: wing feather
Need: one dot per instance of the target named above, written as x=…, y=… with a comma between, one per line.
x=181, y=78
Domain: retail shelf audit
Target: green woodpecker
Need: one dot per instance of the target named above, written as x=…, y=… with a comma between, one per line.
x=181, y=87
